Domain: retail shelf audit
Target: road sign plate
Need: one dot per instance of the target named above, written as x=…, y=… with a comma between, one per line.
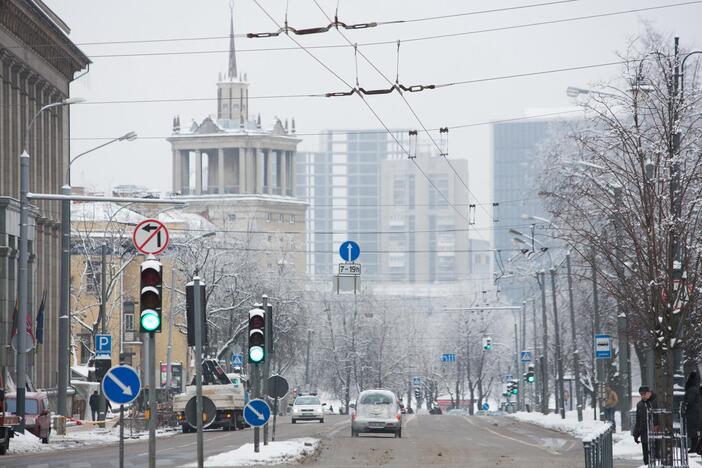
x=448, y=357
x=416, y=381
x=525, y=356
x=277, y=386
x=121, y=384
x=486, y=406
x=150, y=237
x=603, y=347
x=349, y=251
x=353, y=269
x=237, y=359
x=256, y=413
x=103, y=345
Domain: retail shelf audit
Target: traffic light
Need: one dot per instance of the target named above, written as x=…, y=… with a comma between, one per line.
x=487, y=343
x=150, y=297
x=515, y=387
x=530, y=375
x=417, y=393
x=102, y=365
x=190, y=312
x=257, y=336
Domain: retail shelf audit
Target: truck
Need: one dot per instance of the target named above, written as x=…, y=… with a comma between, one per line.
x=8, y=421
x=223, y=401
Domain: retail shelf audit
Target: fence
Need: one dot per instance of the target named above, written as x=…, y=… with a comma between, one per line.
x=598, y=449
x=660, y=442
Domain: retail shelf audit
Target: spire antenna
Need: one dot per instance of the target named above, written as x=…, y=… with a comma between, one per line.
x=232, y=73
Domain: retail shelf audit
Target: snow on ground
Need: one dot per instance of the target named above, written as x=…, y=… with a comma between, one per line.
x=28, y=443
x=278, y=452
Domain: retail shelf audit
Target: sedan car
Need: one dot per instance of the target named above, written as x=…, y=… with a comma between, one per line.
x=306, y=408
x=376, y=411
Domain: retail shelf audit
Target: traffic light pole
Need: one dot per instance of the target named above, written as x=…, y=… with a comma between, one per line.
x=544, y=357
x=267, y=362
x=198, y=368
x=517, y=369
x=102, y=406
x=559, y=356
x=153, y=413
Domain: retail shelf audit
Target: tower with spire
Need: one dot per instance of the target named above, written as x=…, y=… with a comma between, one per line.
x=232, y=91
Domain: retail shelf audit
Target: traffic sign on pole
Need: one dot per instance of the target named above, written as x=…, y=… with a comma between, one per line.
x=237, y=360
x=525, y=356
x=121, y=385
x=603, y=347
x=150, y=237
x=257, y=413
x=277, y=386
x=448, y=357
x=103, y=345
x=349, y=251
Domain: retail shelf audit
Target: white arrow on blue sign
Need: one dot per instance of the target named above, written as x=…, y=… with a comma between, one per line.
x=237, y=359
x=103, y=345
x=121, y=384
x=257, y=413
x=349, y=251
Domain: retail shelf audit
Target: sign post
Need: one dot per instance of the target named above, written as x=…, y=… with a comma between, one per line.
x=349, y=277
x=276, y=387
x=121, y=385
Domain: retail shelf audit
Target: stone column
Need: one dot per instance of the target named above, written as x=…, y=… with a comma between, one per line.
x=220, y=171
x=270, y=182
x=198, y=172
x=258, y=157
x=291, y=173
x=283, y=171
x=177, y=177
x=241, y=161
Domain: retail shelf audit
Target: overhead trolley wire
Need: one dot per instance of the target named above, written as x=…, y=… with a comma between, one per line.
x=326, y=67
x=411, y=39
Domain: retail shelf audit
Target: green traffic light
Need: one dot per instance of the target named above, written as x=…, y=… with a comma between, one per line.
x=256, y=354
x=530, y=378
x=150, y=320
x=515, y=391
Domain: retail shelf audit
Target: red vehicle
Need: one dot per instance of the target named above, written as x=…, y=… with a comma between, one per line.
x=7, y=423
x=36, y=413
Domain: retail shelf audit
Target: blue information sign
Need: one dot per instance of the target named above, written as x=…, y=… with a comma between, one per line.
x=603, y=347
x=448, y=357
x=121, y=384
x=103, y=345
x=525, y=356
x=349, y=251
x=256, y=413
x=486, y=406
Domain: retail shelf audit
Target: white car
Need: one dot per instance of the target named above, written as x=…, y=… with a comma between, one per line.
x=307, y=408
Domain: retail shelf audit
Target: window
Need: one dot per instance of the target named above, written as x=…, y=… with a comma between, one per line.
x=128, y=316
x=292, y=219
x=231, y=216
x=269, y=217
x=281, y=218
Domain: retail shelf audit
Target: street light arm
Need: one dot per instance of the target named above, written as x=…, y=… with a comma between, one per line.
x=127, y=136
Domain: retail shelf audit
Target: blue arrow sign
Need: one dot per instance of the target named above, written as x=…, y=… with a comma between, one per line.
x=256, y=413
x=486, y=406
x=121, y=385
x=349, y=251
x=237, y=359
x=103, y=345
x=525, y=356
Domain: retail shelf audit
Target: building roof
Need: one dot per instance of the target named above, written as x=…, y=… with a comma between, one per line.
x=104, y=212
x=192, y=221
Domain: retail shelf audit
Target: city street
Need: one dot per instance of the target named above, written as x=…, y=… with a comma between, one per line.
x=426, y=441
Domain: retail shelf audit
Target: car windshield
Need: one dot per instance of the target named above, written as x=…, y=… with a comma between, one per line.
x=307, y=401
x=376, y=399
x=30, y=406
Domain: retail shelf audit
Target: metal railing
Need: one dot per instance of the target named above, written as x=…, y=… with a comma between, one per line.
x=598, y=449
x=661, y=443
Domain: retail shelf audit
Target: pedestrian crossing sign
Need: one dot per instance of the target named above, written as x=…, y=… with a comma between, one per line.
x=525, y=356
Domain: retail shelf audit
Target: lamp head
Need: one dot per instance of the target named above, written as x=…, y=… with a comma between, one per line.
x=72, y=100
x=131, y=136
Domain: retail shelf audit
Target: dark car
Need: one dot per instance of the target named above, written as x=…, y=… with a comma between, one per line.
x=36, y=411
x=435, y=410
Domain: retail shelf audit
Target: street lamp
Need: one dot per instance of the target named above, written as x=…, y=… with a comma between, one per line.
x=65, y=280
x=22, y=345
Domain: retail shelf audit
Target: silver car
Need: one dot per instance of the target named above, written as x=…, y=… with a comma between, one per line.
x=306, y=408
x=376, y=411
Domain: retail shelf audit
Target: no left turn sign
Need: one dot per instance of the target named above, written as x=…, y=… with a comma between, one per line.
x=150, y=237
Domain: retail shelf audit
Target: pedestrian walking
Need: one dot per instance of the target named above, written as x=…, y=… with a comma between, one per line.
x=610, y=405
x=693, y=409
x=643, y=407
x=94, y=404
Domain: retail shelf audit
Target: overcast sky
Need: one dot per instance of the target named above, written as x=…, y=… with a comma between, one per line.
x=147, y=161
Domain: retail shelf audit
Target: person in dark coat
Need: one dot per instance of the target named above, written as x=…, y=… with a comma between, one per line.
x=647, y=403
x=693, y=409
x=94, y=404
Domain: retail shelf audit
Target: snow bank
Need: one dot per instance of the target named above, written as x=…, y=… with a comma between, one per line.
x=585, y=429
x=278, y=452
x=28, y=443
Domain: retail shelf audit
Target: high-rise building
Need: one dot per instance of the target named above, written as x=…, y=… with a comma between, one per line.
x=239, y=173
x=38, y=61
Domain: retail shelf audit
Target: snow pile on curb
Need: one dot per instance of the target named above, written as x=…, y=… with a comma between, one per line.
x=278, y=452
x=585, y=429
x=28, y=443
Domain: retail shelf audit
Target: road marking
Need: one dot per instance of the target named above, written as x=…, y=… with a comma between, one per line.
x=338, y=427
x=552, y=452
x=411, y=418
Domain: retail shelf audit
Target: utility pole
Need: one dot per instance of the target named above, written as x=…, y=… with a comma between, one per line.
x=64, y=338
x=544, y=361
x=267, y=362
x=596, y=330
x=537, y=387
x=307, y=361
x=517, y=367
x=198, y=367
x=576, y=353
x=559, y=355
x=103, y=320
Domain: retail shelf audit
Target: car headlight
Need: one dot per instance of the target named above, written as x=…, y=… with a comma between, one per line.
x=296, y=410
